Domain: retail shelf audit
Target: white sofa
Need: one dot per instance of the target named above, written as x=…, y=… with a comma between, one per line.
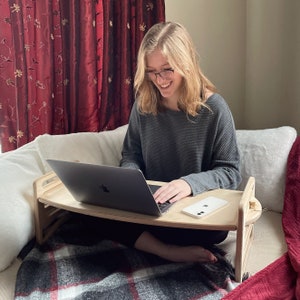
x=264, y=155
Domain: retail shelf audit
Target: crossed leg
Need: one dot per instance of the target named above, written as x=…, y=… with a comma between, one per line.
x=149, y=243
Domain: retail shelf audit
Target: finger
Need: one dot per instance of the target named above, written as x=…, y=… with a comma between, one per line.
x=162, y=190
x=164, y=194
x=177, y=197
x=163, y=197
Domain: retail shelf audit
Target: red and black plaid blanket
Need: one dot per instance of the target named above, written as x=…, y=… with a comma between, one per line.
x=74, y=265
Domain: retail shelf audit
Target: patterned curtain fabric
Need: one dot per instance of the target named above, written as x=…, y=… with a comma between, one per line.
x=68, y=66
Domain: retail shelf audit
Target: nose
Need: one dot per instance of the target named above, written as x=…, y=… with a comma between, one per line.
x=159, y=78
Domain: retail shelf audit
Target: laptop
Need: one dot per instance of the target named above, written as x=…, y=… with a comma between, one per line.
x=108, y=186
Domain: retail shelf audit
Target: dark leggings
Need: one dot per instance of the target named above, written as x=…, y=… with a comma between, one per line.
x=127, y=233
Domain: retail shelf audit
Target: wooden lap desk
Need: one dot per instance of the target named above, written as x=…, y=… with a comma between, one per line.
x=53, y=201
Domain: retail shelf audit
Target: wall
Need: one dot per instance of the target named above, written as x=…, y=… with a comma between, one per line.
x=250, y=50
x=220, y=44
x=272, y=95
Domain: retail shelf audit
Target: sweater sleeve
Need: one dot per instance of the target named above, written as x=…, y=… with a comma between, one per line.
x=132, y=153
x=224, y=170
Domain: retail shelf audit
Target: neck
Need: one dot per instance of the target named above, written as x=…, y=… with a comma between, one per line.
x=170, y=104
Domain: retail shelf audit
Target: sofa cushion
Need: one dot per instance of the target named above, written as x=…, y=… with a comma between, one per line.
x=264, y=154
x=18, y=171
x=87, y=147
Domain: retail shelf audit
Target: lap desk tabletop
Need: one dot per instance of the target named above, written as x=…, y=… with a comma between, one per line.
x=239, y=214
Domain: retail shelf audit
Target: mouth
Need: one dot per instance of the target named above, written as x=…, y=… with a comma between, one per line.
x=165, y=86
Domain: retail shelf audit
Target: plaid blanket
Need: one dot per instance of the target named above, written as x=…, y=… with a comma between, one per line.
x=72, y=265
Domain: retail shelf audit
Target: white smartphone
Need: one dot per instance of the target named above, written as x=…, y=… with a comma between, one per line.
x=204, y=207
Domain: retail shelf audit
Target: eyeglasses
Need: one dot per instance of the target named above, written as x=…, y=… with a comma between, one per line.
x=164, y=74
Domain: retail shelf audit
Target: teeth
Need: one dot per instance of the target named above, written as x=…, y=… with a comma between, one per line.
x=165, y=86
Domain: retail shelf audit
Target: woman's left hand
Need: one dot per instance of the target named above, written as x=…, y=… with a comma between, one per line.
x=173, y=191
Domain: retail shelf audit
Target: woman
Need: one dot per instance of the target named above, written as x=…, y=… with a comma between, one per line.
x=180, y=132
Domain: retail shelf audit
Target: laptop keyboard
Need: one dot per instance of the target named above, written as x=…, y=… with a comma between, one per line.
x=162, y=206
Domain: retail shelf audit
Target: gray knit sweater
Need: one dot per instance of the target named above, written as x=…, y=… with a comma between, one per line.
x=202, y=150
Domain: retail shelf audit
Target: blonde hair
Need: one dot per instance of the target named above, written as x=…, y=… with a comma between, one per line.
x=175, y=43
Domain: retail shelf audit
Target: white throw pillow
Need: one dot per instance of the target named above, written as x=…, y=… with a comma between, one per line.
x=19, y=168
x=264, y=155
x=88, y=147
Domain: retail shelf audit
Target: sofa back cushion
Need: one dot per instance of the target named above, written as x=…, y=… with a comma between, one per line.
x=87, y=147
x=264, y=154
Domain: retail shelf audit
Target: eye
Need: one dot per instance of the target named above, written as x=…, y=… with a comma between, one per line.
x=168, y=70
x=164, y=73
x=150, y=71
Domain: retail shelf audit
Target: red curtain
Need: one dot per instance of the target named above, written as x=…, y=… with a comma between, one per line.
x=68, y=66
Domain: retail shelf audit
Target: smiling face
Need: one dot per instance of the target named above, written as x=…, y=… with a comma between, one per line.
x=168, y=83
